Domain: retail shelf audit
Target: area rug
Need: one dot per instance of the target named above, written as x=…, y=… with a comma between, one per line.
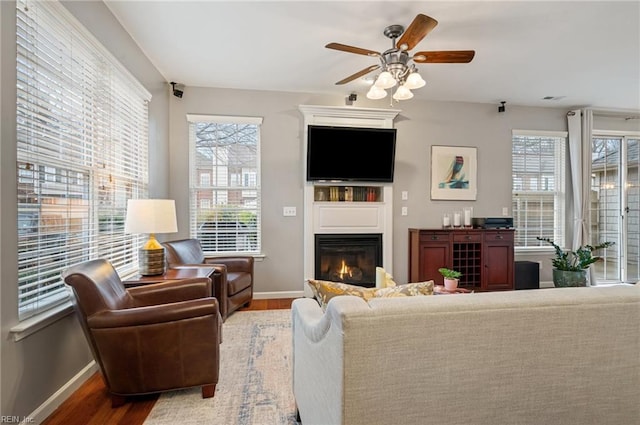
x=255, y=385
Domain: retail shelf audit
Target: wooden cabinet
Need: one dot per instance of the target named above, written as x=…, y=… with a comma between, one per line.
x=484, y=257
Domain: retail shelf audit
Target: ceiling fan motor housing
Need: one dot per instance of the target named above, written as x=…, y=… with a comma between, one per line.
x=395, y=61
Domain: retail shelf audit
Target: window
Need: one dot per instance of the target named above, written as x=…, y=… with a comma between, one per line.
x=225, y=212
x=615, y=204
x=538, y=194
x=81, y=153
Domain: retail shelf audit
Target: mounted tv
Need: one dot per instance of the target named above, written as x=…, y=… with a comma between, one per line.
x=350, y=153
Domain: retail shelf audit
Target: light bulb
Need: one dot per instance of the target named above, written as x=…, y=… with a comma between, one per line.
x=402, y=93
x=376, y=93
x=414, y=81
x=385, y=80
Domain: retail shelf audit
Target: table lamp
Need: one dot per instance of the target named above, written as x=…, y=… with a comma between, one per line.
x=151, y=216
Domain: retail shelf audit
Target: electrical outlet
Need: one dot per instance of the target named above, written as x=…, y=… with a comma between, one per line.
x=505, y=211
x=405, y=195
x=289, y=211
x=405, y=211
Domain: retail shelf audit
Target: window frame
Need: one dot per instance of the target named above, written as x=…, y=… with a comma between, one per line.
x=234, y=181
x=559, y=194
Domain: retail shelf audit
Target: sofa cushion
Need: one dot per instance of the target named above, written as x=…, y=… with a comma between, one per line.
x=406, y=290
x=237, y=282
x=324, y=290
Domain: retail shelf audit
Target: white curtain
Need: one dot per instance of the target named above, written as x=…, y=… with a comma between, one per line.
x=580, y=125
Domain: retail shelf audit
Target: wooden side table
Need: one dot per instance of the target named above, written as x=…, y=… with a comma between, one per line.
x=441, y=290
x=170, y=274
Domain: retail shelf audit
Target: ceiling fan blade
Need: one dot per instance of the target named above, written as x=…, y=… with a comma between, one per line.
x=417, y=30
x=358, y=74
x=351, y=49
x=445, y=56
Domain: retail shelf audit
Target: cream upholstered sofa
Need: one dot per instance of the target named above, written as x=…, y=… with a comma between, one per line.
x=561, y=356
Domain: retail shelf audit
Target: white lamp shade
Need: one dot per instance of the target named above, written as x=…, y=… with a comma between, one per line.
x=402, y=93
x=385, y=80
x=151, y=216
x=414, y=81
x=376, y=93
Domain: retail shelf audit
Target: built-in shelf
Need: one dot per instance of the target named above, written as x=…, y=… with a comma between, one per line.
x=347, y=193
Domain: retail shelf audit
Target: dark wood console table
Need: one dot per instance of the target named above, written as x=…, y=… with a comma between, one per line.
x=170, y=274
x=484, y=256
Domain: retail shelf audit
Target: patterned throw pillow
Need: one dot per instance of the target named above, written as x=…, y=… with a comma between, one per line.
x=324, y=290
x=407, y=290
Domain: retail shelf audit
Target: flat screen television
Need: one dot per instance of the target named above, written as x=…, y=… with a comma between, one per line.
x=350, y=153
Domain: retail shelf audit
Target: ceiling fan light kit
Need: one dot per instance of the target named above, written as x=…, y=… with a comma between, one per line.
x=376, y=93
x=397, y=66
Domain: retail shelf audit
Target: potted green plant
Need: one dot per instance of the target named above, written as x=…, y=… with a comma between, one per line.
x=570, y=267
x=450, y=277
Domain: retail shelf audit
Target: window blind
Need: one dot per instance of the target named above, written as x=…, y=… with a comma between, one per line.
x=538, y=191
x=82, y=135
x=225, y=183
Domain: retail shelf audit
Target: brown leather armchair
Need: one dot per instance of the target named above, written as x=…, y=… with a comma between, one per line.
x=148, y=339
x=232, y=279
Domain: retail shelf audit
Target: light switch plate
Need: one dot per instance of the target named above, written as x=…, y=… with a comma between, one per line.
x=289, y=211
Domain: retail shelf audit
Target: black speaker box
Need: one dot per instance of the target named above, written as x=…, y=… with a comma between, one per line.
x=527, y=275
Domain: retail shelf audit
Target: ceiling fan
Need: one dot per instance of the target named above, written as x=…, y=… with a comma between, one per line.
x=398, y=66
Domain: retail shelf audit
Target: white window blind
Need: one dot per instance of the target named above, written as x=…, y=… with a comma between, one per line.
x=225, y=206
x=82, y=135
x=538, y=194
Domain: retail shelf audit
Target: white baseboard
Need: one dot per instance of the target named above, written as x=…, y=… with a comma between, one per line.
x=53, y=402
x=274, y=295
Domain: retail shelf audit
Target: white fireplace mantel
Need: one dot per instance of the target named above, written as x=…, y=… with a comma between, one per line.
x=346, y=217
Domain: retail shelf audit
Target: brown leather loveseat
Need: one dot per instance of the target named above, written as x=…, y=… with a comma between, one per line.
x=151, y=338
x=232, y=278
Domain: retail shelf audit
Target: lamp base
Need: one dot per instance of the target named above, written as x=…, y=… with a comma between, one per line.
x=151, y=262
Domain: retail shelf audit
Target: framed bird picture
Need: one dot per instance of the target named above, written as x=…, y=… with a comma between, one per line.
x=454, y=173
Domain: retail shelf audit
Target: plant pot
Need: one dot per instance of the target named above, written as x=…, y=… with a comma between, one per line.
x=564, y=278
x=450, y=284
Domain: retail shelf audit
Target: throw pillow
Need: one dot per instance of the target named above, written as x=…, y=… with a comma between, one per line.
x=324, y=290
x=407, y=290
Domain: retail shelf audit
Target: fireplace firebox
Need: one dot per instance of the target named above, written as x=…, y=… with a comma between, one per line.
x=348, y=258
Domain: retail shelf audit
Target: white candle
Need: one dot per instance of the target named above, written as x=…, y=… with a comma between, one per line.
x=467, y=217
x=446, y=221
x=456, y=219
x=380, y=277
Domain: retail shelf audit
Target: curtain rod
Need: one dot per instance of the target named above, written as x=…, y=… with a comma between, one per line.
x=627, y=115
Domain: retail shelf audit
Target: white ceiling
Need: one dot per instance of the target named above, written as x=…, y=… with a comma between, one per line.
x=586, y=52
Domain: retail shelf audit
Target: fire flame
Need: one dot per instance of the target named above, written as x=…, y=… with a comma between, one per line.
x=344, y=270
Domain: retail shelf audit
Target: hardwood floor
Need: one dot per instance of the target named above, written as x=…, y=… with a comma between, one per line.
x=91, y=405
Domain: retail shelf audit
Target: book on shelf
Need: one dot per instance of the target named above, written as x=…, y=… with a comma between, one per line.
x=348, y=194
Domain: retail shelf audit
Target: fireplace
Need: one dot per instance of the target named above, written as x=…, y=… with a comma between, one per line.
x=339, y=218
x=348, y=258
